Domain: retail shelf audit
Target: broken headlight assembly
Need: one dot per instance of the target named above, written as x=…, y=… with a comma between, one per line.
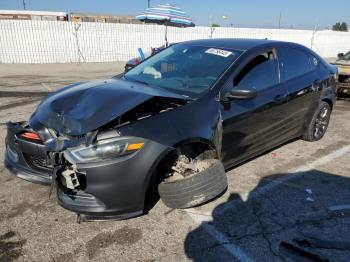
x=104, y=150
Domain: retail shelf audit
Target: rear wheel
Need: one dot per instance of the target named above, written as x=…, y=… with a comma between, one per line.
x=319, y=123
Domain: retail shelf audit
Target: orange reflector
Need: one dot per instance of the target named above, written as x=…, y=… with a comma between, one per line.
x=136, y=146
x=30, y=135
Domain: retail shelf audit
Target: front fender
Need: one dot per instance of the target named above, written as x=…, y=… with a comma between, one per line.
x=197, y=120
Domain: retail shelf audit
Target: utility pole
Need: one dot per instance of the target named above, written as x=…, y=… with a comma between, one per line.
x=313, y=34
x=211, y=25
x=148, y=3
x=279, y=20
x=24, y=4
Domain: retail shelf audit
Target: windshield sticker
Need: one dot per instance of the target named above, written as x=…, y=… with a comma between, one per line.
x=218, y=52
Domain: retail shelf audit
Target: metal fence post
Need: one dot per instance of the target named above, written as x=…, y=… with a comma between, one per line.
x=80, y=57
x=313, y=35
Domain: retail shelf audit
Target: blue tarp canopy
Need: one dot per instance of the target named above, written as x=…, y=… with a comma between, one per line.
x=167, y=15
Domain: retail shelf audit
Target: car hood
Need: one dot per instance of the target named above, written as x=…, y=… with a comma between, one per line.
x=81, y=108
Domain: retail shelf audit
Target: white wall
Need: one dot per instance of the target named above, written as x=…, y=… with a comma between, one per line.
x=61, y=42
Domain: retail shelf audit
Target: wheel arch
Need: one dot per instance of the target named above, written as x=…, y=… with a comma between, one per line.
x=328, y=101
x=154, y=176
x=198, y=142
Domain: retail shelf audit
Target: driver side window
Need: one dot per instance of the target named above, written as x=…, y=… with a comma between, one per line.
x=261, y=72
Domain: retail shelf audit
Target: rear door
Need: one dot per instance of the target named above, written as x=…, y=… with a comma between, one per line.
x=254, y=125
x=299, y=75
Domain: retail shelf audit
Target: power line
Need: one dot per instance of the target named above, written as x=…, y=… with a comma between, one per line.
x=24, y=4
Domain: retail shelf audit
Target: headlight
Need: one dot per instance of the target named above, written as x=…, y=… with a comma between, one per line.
x=105, y=149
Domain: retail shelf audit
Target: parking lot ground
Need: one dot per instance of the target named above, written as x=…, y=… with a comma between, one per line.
x=295, y=195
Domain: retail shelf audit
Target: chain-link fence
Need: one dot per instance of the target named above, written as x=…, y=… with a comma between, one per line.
x=62, y=42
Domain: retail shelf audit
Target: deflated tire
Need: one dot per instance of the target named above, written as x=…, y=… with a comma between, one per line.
x=194, y=189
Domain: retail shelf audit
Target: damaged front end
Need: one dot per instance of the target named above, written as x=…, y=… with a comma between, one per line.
x=93, y=169
x=100, y=144
x=99, y=176
x=97, y=179
x=36, y=154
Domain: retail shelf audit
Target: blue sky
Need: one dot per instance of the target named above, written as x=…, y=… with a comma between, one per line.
x=296, y=13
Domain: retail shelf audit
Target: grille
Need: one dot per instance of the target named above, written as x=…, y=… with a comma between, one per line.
x=36, y=162
x=39, y=161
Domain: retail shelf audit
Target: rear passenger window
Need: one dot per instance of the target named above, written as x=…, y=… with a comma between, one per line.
x=261, y=72
x=294, y=62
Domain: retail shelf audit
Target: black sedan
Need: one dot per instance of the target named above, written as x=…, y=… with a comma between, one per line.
x=176, y=121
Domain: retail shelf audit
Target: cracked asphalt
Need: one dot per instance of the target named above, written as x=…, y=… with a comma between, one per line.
x=297, y=195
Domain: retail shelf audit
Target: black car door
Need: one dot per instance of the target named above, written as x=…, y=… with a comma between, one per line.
x=251, y=126
x=299, y=73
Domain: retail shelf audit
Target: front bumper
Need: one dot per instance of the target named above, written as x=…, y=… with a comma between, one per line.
x=89, y=208
x=26, y=159
x=113, y=189
x=28, y=174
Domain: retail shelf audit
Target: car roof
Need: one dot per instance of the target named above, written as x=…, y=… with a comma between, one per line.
x=236, y=43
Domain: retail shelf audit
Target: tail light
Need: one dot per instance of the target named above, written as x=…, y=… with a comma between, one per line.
x=30, y=136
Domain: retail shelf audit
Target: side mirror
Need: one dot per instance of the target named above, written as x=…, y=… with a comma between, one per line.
x=340, y=55
x=241, y=94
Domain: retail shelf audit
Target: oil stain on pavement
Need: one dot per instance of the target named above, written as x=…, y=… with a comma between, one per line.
x=125, y=235
x=10, y=250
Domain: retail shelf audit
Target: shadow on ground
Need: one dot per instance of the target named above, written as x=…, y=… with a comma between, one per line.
x=287, y=217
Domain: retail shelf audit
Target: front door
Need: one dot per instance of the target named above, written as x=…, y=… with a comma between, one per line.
x=251, y=126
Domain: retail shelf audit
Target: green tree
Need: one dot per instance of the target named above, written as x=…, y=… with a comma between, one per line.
x=344, y=27
x=215, y=25
x=336, y=27
x=340, y=27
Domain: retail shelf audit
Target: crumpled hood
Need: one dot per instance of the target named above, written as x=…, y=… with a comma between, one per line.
x=81, y=108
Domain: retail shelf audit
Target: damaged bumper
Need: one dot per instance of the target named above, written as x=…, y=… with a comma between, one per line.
x=24, y=158
x=111, y=189
x=27, y=174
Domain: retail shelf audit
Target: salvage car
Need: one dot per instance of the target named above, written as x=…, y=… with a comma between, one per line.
x=174, y=122
x=343, y=64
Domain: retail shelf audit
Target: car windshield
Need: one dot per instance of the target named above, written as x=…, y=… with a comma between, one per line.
x=184, y=69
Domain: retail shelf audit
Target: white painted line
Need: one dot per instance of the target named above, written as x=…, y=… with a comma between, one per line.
x=233, y=249
x=324, y=160
x=230, y=247
x=339, y=207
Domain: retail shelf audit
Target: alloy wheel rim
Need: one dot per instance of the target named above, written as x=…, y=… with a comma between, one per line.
x=321, y=122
